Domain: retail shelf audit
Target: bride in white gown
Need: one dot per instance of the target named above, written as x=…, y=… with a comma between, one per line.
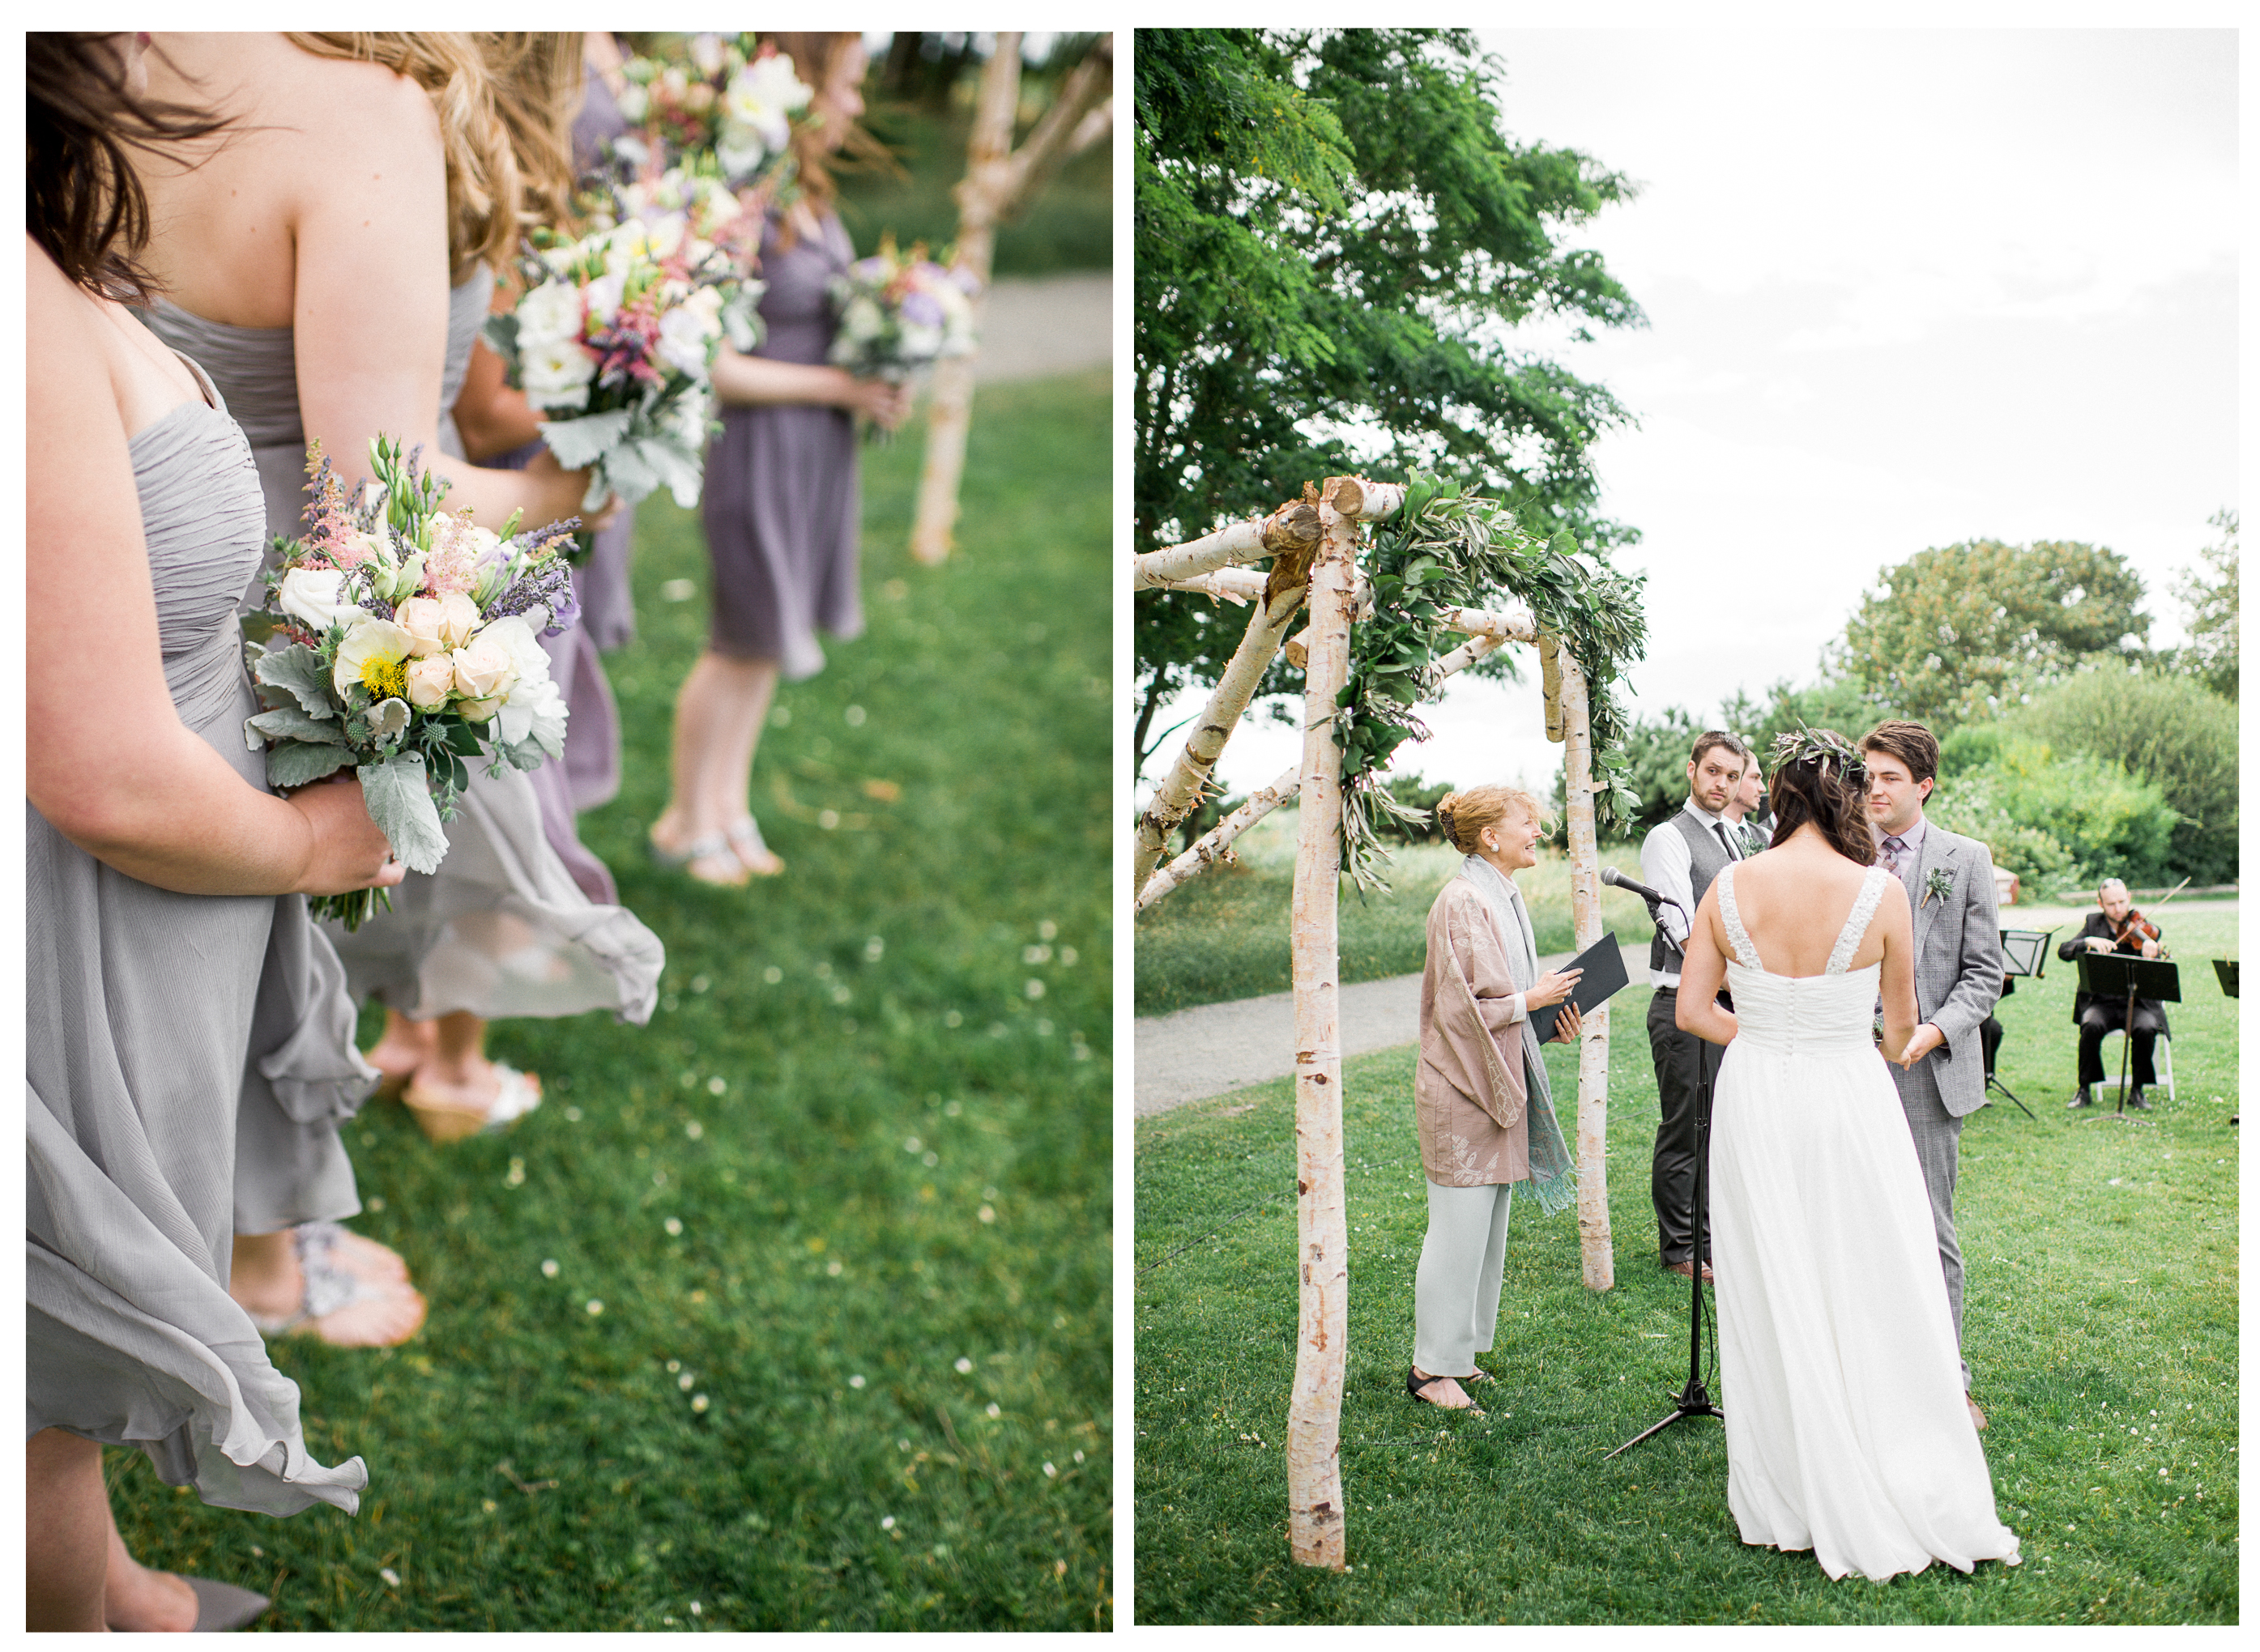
x=1845, y=1429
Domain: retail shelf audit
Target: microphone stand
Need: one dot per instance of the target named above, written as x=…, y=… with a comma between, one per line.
x=1694, y=1400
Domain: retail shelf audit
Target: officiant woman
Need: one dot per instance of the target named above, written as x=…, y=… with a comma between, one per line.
x=1484, y=1109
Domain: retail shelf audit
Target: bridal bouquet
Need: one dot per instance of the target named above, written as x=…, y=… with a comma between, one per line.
x=404, y=641
x=735, y=100
x=614, y=339
x=900, y=311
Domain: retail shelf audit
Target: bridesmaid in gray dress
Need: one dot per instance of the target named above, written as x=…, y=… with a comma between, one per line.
x=780, y=501
x=253, y=245
x=165, y=916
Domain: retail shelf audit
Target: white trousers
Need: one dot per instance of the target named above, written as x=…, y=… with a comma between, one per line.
x=1463, y=1264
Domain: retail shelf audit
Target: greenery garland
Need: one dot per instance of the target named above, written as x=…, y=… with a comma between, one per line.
x=1443, y=550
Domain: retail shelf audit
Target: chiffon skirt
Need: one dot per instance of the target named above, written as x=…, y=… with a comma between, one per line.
x=1847, y=1432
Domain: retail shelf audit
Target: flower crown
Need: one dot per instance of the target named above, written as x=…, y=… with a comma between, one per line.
x=1824, y=747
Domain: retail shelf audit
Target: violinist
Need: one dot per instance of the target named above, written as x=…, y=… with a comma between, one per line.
x=2117, y=927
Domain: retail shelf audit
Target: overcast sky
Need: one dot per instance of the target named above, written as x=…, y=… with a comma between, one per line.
x=1904, y=288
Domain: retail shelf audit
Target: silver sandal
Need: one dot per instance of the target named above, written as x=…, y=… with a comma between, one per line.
x=327, y=1286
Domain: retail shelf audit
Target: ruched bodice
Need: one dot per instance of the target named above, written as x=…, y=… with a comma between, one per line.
x=256, y=370
x=1830, y=1014
x=204, y=521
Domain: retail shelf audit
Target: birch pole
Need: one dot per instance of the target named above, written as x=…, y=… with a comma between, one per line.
x=998, y=180
x=1314, y=1500
x=1573, y=707
x=1180, y=789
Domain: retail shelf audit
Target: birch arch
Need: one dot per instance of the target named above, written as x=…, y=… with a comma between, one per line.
x=1000, y=180
x=1313, y=546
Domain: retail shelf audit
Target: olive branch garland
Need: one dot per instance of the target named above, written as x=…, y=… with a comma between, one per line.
x=1444, y=548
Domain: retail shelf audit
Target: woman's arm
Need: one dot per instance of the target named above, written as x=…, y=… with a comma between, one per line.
x=1702, y=972
x=369, y=299
x=1896, y=920
x=742, y=381
x=107, y=760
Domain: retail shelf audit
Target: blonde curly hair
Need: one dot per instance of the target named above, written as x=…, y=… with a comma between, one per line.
x=482, y=183
x=1464, y=815
x=537, y=79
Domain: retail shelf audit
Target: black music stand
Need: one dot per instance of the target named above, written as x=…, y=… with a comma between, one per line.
x=2225, y=968
x=2122, y=974
x=2023, y=952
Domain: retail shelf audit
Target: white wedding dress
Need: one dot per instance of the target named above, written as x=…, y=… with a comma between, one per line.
x=1847, y=1432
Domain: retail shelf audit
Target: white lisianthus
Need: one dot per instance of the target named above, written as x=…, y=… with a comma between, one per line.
x=605, y=293
x=549, y=313
x=686, y=420
x=312, y=594
x=534, y=704
x=760, y=98
x=387, y=720
x=864, y=320
x=920, y=343
x=634, y=103
x=684, y=336
x=557, y=375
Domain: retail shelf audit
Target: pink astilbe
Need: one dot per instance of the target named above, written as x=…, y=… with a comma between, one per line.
x=331, y=538
x=453, y=566
x=624, y=350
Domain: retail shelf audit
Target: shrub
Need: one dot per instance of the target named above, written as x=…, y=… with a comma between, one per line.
x=2060, y=818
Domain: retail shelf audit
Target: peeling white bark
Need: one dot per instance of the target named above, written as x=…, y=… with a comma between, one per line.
x=1214, y=848
x=1291, y=528
x=1596, y=1252
x=1314, y=1500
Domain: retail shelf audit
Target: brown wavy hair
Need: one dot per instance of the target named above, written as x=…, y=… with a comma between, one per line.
x=1830, y=789
x=83, y=203
x=482, y=183
x=813, y=58
x=537, y=80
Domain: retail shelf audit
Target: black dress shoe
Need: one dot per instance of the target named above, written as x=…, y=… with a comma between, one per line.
x=2082, y=1100
x=2136, y=1098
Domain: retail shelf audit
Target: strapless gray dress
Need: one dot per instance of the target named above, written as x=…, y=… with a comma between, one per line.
x=780, y=501
x=162, y=1030
x=501, y=929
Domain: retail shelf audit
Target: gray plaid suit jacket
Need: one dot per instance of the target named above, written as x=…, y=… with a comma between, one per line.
x=1957, y=967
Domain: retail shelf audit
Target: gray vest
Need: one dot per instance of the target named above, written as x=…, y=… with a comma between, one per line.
x=1705, y=855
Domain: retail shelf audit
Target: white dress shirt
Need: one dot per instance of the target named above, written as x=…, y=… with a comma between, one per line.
x=1666, y=868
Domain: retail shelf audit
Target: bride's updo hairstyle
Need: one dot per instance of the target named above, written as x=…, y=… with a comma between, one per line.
x=1818, y=777
x=1463, y=814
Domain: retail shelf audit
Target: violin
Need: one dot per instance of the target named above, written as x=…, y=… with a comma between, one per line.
x=2135, y=928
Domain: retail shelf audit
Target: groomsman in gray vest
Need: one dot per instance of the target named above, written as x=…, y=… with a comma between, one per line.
x=1679, y=859
x=1743, y=808
x=1958, y=972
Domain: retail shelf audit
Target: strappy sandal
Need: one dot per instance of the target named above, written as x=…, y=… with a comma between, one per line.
x=444, y=1121
x=712, y=846
x=756, y=857
x=1418, y=1385
x=326, y=1288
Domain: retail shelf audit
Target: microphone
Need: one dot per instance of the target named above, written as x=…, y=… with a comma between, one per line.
x=1653, y=897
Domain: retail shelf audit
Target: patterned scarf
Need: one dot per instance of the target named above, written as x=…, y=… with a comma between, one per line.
x=1553, y=1173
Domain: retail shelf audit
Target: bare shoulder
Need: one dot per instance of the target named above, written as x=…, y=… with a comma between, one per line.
x=61, y=313
x=338, y=103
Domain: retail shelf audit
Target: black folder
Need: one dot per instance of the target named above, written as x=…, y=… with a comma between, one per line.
x=1603, y=963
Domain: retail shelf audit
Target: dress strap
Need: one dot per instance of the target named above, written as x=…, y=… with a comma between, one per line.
x=1856, y=926
x=1745, y=954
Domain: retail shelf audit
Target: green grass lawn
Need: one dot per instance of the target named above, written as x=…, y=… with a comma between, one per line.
x=846, y=1201
x=1223, y=935
x=2101, y=1323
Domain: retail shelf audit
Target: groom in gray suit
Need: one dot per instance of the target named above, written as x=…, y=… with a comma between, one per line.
x=1957, y=972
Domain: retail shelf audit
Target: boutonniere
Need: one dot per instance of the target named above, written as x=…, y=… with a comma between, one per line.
x=1940, y=883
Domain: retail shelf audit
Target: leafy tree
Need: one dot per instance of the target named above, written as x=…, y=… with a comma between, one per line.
x=1963, y=632
x=2168, y=730
x=2059, y=818
x=2210, y=653
x=1335, y=238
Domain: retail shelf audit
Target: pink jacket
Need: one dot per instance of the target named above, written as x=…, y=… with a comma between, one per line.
x=1470, y=1091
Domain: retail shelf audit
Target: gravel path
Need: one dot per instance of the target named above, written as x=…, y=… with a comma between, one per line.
x=1036, y=325
x=1191, y=1054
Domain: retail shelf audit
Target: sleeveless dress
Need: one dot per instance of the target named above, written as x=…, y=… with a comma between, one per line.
x=157, y=1036
x=1847, y=1432
x=501, y=929
x=780, y=502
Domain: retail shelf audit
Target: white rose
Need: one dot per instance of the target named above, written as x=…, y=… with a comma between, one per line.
x=483, y=668
x=431, y=681
x=312, y=594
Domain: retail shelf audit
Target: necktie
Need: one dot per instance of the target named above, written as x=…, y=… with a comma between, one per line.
x=1893, y=848
x=1726, y=840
